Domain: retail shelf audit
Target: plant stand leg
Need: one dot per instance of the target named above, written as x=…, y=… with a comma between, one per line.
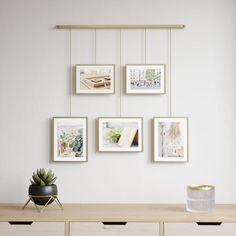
x=42, y=209
x=58, y=202
x=32, y=199
x=26, y=203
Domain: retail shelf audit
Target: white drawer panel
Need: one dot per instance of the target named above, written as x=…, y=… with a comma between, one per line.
x=99, y=229
x=193, y=229
x=35, y=229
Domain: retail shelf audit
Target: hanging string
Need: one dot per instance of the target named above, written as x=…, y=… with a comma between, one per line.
x=95, y=46
x=71, y=77
x=169, y=70
x=145, y=46
x=120, y=74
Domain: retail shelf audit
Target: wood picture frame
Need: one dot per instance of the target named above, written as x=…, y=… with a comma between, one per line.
x=120, y=134
x=145, y=79
x=70, y=139
x=95, y=78
x=171, y=139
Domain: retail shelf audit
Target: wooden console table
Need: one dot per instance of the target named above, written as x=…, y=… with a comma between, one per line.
x=116, y=220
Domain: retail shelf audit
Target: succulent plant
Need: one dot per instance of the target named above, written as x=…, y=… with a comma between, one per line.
x=114, y=135
x=43, y=178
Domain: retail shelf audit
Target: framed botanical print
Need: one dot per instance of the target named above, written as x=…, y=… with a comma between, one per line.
x=70, y=139
x=95, y=79
x=120, y=134
x=145, y=79
x=171, y=139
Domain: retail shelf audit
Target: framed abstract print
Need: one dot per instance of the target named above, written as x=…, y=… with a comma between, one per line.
x=95, y=79
x=145, y=79
x=120, y=134
x=70, y=139
x=171, y=139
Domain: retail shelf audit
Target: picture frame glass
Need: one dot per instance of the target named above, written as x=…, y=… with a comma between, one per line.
x=120, y=134
x=95, y=79
x=171, y=139
x=70, y=139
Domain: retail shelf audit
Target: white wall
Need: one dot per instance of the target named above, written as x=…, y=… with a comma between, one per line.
x=34, y=86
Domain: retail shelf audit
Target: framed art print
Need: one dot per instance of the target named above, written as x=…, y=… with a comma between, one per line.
x=145, y=79
x=95, y=79
x=120, y=134
x=70, y=139
x=171, y=139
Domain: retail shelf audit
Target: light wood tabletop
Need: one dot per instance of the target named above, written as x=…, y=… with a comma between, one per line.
x=116, y=212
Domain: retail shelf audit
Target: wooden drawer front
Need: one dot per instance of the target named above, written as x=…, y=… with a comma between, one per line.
x=128, y=229
x=34, y=229
x=204, y=229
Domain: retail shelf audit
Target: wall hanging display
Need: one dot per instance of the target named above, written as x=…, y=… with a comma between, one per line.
x=171, y=139
x=120, y=134
x=123, y=134
x=145, y=79
x=70, y=139
x=95, y=79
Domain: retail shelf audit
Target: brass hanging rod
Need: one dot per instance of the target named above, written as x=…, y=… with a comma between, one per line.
x=120, y=26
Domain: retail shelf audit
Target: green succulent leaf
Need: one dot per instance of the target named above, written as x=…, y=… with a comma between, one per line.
x=36, y=179
x=49, y=173
x=52, y=181
x=38, y=172
x=42, y=173
x=41, y=183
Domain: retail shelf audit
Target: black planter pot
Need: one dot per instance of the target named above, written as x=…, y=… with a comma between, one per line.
x=41, y=191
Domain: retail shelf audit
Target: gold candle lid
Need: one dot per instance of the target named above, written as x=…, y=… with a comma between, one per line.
x=201, y=187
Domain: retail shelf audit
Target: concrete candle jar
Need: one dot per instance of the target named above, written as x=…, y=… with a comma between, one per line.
x=200, y=198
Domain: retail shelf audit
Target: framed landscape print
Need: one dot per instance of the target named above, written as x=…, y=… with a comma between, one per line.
x=95, y=79
x=145, y=79
x=120, y=134
x=70, y=139
x=171, y=139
